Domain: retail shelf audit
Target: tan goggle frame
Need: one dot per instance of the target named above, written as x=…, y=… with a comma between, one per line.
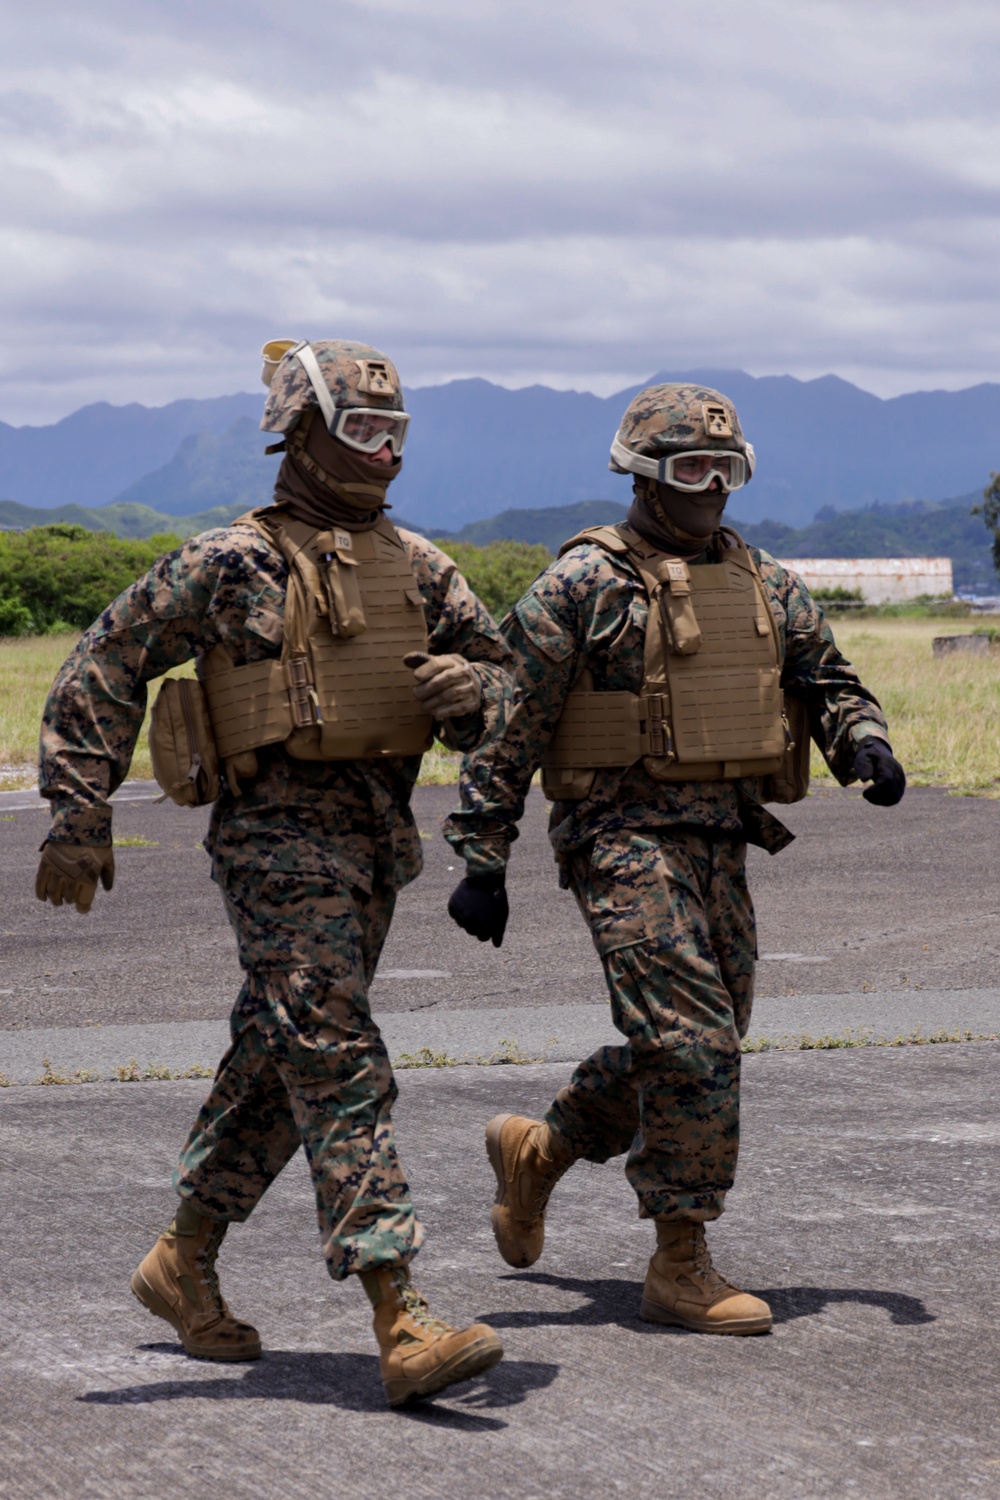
x=735, y=479
x=394, y=434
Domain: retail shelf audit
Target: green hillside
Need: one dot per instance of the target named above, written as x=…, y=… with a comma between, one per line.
x=914, y=528
x=547, y=528
x=125, y=518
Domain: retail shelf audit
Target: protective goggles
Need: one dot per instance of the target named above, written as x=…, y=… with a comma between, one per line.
x=694, y=471
x=363, y=428
x=367, y=430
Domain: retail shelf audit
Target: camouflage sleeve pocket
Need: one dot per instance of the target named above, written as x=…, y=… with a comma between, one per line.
x=543, y=629
x=263, y=622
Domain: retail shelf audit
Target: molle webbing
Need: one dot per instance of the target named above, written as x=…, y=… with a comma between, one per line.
x=340, y=691
x=710, y=706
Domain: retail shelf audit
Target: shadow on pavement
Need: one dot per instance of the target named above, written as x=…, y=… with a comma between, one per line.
x=348, y=1381
x=612, y=1300
x=788, y=1302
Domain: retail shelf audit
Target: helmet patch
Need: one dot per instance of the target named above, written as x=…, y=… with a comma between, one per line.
x=376, y=378
x=716, y=420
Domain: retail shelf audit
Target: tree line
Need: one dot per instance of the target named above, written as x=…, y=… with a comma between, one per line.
x=61, y=577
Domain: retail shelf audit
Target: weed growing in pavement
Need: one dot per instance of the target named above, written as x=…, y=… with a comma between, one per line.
x=51, y=1075
x=134, y=841
x=129, y=1072
x=864, y=1037
x=507, y=1052
x=425, y=1058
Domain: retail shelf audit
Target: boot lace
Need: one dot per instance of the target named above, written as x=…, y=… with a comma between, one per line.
x=704, y=1267
x=206, y=1264
x=417, y=1307
x=546, y=1178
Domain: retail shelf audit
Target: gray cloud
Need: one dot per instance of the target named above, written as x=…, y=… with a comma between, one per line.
x=572, y=192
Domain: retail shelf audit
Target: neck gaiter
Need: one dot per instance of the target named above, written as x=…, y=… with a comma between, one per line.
x=323, y=482
x=673, y=521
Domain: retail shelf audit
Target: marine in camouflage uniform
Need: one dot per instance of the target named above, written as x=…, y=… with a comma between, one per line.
x=657, y=867
x=309, y=857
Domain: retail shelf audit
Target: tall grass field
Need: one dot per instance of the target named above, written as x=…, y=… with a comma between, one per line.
x=944, y=713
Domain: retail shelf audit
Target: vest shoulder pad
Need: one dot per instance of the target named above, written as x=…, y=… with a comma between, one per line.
x=732, y=539
x=608, y=537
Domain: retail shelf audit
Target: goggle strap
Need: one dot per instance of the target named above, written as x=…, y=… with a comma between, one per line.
x=304, y=354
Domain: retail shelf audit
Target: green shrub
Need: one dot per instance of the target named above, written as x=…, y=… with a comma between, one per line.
x=65, y=575
x=499, y=572
x=837, y=595
x=15, y=617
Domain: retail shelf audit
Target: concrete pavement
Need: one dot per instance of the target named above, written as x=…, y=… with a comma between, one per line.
x=866, y=1211
x=887, y=911
x=866, y=1208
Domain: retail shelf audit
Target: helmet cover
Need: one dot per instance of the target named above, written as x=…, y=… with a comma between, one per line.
x=355, y=375
x=674, y=418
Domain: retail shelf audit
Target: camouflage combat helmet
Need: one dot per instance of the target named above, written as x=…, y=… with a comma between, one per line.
x=331, y=374
x=673, y=418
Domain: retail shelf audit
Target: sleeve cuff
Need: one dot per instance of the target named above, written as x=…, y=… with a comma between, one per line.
x=868, y=730
x=485, y=855
x=73, y=824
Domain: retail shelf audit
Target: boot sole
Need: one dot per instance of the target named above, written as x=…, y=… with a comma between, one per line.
x=495, y=1154
x=652, y=1312
x=155, y=1304
x=473, y=1360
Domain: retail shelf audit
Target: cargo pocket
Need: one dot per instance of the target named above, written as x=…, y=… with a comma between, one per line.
x=620, y=889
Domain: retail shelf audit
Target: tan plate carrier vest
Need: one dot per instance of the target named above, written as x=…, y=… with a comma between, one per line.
x=710, y=707
x=340, y=690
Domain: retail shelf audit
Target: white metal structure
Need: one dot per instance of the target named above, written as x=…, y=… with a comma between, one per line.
x=882, y=580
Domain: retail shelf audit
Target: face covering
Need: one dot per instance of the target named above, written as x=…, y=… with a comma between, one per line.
x=674, y=521
x=322, y=481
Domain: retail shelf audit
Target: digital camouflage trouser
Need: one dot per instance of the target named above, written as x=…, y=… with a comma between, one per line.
x=672, y=919
x=307, y=1065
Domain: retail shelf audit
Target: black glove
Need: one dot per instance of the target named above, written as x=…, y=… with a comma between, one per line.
x=875, y=762
x=479, y=905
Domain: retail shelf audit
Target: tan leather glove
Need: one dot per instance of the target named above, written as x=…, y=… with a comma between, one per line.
x=447, y=686
x=68, y=873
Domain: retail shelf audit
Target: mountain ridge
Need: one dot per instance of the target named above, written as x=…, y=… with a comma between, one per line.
x=478, y=449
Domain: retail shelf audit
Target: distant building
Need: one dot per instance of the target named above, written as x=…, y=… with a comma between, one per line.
x=882, y=580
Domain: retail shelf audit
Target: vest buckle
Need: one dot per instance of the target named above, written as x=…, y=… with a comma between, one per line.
x=302, y=698
x=661, y=741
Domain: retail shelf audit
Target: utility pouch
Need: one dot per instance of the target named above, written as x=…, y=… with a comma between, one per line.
x=676, y=607
x=791, y=782
x=347, y=615
x=181, y=744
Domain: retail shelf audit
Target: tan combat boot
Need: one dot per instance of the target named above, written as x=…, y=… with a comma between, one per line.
x=178, y=1282
x=420, y=1355
x=528, y=1159
x=683, y=1287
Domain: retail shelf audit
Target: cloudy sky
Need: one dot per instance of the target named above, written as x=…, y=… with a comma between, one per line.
x=569, y=191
